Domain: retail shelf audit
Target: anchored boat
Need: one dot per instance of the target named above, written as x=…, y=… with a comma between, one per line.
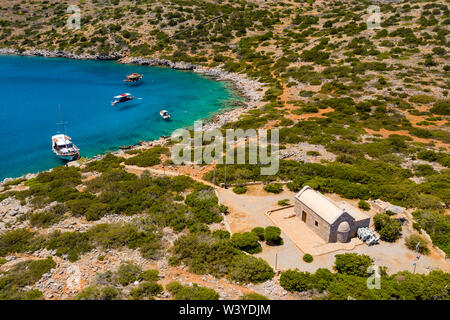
x=122, y=98
x=164, y=114
x=133, y=78
x=62, y=145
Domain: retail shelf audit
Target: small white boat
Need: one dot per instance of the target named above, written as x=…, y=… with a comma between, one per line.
x=63, y=147
x=122, y=98
x=165, y=114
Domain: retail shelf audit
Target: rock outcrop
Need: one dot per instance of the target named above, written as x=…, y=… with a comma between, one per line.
x=10, y=212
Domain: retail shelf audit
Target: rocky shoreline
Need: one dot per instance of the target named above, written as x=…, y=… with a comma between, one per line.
x=251, y=90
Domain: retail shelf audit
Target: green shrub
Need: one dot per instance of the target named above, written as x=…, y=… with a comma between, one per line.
x=194, y=292
x=73, y=244
x=239, y=189
x=247, y=241
x=272, y=236
x=18, y=240
x=362, y=204
x=150, y=275
x=259, y=231
x=412, y=241
x=147, y=158
x=437, y=225
x=422, y=170
x=313, y=153
x=388, y=228
x=315, y=55
x=274, y=187
x=33, y=294
x=204, y=205
x=13, y=283
x=95, y=293
x=55, y=185
x=118, y=235
x=292, y=280
x=441, y=107
x=390, y=213
x=204, y=254
x=353, y=264
x=248, y=269
x=46, y=218
x=128, y=273
x=108, y=162
x=284, y=202
x=89, y=208
x=110, y=293
x=253, y=296
x=221, y=234
x=421, y=99
x=322, y=279
x=308, y=258
x=146, y=289
x=428, y=155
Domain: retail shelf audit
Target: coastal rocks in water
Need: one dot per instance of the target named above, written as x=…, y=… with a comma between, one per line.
x=59, y=54
x=73, y=164
x=250, y=89
x=158, y=63
x=26, y=177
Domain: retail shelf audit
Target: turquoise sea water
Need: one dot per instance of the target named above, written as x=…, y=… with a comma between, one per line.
x=32, y=87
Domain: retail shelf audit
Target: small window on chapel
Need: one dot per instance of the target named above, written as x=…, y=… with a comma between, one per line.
x=316, y=223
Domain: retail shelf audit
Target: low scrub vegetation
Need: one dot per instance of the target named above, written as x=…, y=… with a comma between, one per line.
x=388, y=228
x=206, y=254
x=274, y=187
x=14, y=283
x=416, y=242
x=194, y=292
x=110, y=285
x=351, y=281
x=147, y=158
x=437, y=225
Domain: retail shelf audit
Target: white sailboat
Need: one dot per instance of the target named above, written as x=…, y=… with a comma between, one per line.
x=62, y=144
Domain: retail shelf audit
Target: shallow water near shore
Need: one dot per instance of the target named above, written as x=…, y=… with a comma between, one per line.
x=33, y=87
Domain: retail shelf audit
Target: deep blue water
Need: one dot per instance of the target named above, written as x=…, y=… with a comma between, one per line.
x=32, y=88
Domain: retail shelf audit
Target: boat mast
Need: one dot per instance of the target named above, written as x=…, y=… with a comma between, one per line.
x=62, y=123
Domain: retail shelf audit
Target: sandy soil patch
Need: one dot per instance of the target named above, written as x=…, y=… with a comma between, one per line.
x=247, y=210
